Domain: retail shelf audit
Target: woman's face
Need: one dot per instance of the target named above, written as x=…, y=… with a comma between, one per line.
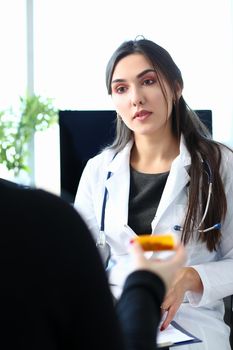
x=138, y=97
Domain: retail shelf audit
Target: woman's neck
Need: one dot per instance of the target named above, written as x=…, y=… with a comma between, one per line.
x=150, y=155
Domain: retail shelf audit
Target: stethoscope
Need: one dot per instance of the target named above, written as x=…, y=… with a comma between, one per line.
x=210, y=182
x=101, y=241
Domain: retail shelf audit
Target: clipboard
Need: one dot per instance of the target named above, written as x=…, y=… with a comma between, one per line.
x=175, y=335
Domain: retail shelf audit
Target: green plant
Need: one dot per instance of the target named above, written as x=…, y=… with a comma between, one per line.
x=17, y=129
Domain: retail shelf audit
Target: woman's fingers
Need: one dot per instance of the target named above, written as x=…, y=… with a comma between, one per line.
x=169, y=317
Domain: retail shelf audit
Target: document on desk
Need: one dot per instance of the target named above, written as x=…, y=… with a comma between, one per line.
x=175, y=335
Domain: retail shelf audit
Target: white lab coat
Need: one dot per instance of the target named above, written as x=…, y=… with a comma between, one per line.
x=200, y=314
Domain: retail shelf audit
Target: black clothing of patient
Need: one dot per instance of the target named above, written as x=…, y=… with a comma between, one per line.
x=54, y=292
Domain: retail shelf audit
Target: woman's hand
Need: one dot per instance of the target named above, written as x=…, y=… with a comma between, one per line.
x=187, y=279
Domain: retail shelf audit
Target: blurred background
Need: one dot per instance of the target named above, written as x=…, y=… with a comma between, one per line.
x=59, y=49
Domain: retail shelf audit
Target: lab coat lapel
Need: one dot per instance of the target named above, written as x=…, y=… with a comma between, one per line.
x=119, y=182
x=118, y=186
x=178, y=179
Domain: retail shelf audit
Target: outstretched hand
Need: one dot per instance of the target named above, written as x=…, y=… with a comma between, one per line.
x=165, y=269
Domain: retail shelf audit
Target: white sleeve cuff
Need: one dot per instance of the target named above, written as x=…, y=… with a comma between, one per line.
x=200, y=299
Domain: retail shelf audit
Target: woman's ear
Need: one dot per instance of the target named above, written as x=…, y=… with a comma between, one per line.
x=178, y=91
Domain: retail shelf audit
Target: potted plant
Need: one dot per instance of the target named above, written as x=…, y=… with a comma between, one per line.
x=17, y=129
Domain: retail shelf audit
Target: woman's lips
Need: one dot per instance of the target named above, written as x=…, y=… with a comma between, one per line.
x=142, y=115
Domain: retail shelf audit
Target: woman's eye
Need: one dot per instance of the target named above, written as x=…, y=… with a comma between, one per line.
x=148, y=81
x=120, y=89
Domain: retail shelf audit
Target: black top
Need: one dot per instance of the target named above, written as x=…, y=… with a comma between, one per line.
x=54, y=291
x=145, y=194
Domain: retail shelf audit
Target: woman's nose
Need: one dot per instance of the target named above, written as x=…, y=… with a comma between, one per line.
x=137, y=98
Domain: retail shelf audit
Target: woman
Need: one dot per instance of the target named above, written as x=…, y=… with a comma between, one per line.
x=54, y=291
x=162, y=174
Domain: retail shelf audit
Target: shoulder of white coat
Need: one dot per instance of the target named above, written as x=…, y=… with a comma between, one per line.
x=227, y=155
x=101, y=161
x=226, y=162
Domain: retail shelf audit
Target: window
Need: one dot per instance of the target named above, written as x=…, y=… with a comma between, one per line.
x=73, y=41
x=13, y=67
x=13, y=52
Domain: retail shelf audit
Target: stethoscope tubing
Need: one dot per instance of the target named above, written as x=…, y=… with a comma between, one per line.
x=175, y=227
x=104, y=204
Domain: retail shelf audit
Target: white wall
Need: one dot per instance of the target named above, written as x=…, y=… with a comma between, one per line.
x=74, y=40
x=13, y=72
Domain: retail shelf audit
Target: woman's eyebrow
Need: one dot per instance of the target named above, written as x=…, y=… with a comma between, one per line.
x=118, y=81
x=145, y=72
x=138, y=76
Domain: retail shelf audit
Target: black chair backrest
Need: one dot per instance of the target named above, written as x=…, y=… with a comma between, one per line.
x=82, y=135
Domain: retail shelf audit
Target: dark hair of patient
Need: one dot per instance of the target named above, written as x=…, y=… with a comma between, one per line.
x=197, y=138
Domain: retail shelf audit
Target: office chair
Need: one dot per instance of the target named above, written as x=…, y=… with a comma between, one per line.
x=228, y=301
x=82, y=135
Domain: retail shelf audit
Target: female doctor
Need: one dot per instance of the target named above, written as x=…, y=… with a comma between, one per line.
x=164, y=173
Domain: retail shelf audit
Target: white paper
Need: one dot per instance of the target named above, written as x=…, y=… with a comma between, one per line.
x=171, y=335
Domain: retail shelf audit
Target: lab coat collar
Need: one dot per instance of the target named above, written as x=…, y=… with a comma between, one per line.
x=118, y=184
x=183, y=159
x=121, y=159
x=177, y=180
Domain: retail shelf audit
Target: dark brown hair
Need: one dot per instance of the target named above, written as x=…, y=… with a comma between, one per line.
x=197, y=138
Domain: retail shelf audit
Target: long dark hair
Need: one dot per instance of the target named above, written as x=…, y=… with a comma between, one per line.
x=197, y=138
